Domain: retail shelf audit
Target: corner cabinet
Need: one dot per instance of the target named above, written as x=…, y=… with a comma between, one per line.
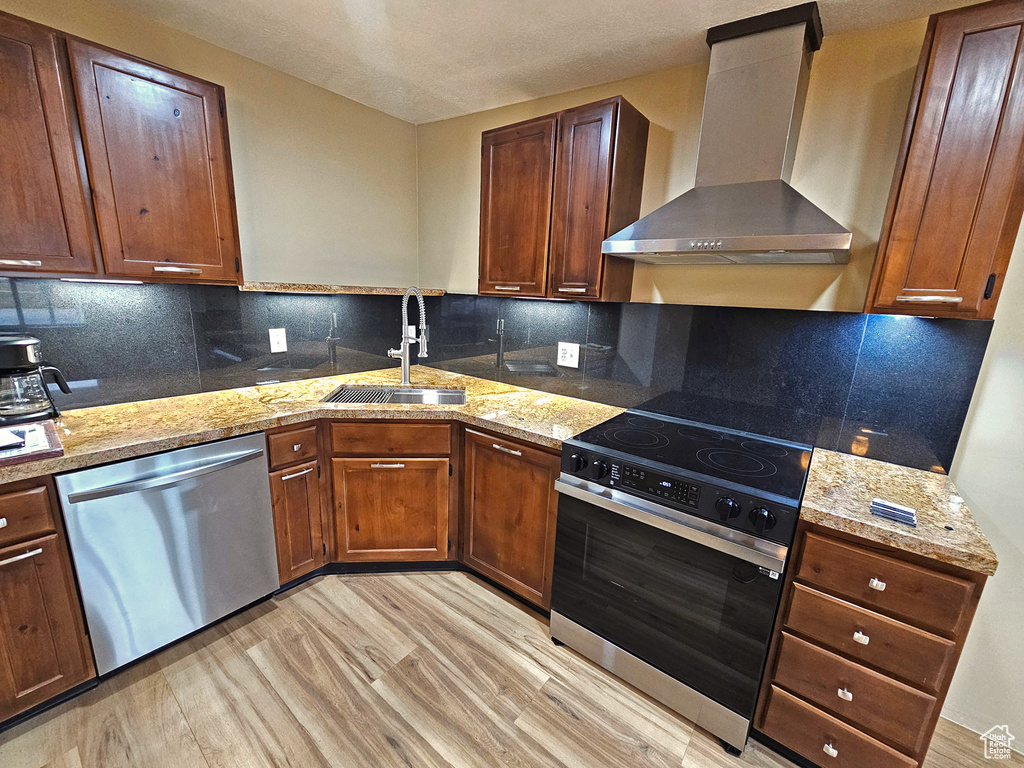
x=865, y=645
x=44, y=650
x=958, y=194
x=510, y=508
x=551, y=190
x=156, y=143
x=45, y=213
x=391, y=484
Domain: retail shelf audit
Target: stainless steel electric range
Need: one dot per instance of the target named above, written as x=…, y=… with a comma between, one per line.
x=672, y=540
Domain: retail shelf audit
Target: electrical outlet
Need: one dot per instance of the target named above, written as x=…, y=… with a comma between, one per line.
x=278, y=340
x=568, y=354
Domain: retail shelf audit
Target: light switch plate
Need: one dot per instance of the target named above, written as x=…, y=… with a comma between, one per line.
x=568, y=354
x=278, y=340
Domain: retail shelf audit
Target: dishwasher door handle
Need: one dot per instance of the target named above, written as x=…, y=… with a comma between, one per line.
x=160, y=481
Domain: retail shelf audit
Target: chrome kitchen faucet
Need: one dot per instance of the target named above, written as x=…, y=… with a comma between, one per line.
x=409, y=334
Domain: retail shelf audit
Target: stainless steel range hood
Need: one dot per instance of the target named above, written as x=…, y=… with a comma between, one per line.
x=742, y=209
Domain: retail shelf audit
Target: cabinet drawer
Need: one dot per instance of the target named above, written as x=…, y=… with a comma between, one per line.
x=808, y=731
x=25, y=514
x=902, y=589
x=878, y=704
x=914, y=655
x=292, y=447
x=391, y=439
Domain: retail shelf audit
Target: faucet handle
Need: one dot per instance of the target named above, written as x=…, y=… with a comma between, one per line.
x=424, y=338
x=394, y=353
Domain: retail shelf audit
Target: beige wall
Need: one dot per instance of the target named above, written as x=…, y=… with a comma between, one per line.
x=856, y=107
x=989, y=471
x=326, y=187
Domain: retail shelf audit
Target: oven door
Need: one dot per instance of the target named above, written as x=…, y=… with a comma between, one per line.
x=687, y=596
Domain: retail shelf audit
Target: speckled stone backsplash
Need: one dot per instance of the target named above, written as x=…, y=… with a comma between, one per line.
x=890, y=388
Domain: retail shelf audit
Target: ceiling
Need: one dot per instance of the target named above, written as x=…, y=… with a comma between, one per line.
x=425, y=60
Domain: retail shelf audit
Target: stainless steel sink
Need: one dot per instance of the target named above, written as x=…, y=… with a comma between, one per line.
x=404, y=395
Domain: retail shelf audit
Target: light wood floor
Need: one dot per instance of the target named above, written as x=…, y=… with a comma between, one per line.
x=382, y=670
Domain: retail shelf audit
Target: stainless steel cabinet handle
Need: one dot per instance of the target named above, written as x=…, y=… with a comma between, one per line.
x=387, y=466
x=3, y=522
x=877, y=585
x=297, y=474
x=25, y=556
x=845, y=695
x=179, y=270
x=20, y=263
x=158, y=481
x=860, y=637
x=571, y=290
x=503, y=449
x=507, y=287
x=930, y=299
x=297, y=447
x=829, y=750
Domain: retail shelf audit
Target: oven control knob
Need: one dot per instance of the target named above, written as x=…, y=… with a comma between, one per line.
x=762, y=519
x=598, y=469
x=727, y=508
x=577, y=462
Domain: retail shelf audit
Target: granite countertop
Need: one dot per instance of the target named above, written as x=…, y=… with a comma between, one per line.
x=107, y=433
x=839, y=491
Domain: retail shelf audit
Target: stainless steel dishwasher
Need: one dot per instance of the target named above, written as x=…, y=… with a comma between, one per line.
x=164, y=545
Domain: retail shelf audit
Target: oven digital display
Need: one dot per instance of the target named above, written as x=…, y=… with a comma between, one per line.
x=662, y=487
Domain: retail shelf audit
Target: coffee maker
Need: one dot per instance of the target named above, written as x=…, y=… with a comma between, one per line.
x=23, y=393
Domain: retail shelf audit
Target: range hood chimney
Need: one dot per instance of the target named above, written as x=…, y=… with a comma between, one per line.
x=742, y=209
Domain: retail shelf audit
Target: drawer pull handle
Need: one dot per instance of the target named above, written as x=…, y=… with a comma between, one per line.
x=25, y=556
x=20, y=263
x=860, y=637
x=829, y=750
x=507, y=450
x=507, y=287
x=3, y=522
x=297, y=447
x=877, y=585
x=387, y=466
x=298, y=474
x=179, y=270
x=845, y=695
x=572, y=290
x=930, y=299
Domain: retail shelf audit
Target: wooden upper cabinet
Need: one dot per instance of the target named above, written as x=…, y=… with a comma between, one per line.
x=156, y=143
x=515, y=207
x=958, y=194
x=553, y=189
x=44, y=213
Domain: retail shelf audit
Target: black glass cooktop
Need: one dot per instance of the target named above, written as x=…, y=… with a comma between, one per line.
x=757, y=462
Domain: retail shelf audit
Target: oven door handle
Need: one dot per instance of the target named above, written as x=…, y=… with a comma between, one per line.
x=735, y=543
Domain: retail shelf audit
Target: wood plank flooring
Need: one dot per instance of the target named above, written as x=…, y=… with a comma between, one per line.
x=381, y=670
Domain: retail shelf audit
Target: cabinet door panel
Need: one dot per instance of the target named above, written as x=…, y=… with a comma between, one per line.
x=958, y=203
x=515, y=208
x=511, y=505
x=579, y=216
x=44, y=225
x=295, y=495
x=392, y=509
x=42, y=649
x=156, y=143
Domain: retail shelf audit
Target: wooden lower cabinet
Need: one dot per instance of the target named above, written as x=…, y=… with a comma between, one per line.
x=510, y=506
x=44, y=650
x=389, y=509
x=295, y=495
x=864, y=650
